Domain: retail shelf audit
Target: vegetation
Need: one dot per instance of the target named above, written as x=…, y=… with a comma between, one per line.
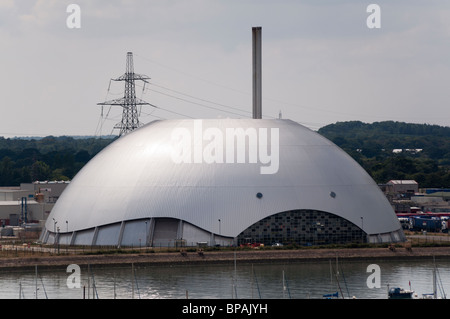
x=424, y=156
x=49, y=158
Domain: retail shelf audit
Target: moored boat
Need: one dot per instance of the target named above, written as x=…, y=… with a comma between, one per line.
x=400, y=293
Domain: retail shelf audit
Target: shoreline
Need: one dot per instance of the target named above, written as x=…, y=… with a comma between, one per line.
x=224, y=257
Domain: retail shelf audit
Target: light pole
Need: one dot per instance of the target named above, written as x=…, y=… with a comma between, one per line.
x=57, y=239
x=219, y=227
x=362, y=228
x=67, y=238
x=146, y=234
x=220, y=232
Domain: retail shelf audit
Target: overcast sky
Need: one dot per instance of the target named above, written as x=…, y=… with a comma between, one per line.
x=321, y=62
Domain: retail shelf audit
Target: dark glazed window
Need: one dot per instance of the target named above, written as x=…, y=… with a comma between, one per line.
x=303, y=227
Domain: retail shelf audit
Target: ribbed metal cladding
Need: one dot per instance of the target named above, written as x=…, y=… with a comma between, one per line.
x=135, y=178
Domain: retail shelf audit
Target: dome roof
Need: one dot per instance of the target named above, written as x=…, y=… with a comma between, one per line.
x=198, y=171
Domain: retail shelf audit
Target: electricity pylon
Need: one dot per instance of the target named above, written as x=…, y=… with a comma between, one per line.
x=129, y=102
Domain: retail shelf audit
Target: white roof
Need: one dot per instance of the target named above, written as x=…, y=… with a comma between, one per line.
x=402, y=182
x=135, y=177
x=17, y=202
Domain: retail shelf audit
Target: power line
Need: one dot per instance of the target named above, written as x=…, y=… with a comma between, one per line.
x=146, y=88
x=195, y=103
x=170, y=111
x=226, y=87
x=312, y=108
x=228, y=109
x=201, y=99
x=232, y=89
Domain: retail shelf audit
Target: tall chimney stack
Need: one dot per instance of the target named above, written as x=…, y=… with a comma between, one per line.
x=257, y=94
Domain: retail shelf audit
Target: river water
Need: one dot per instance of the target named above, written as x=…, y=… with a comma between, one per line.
x=240, y=280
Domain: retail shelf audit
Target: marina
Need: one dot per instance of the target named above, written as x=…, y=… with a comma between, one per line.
x=333, y=279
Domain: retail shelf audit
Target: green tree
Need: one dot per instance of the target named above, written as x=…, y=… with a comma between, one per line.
x=6, y=171
x=40, y=171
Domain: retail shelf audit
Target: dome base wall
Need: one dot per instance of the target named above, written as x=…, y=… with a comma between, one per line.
x=300, y=227
x=149, y=232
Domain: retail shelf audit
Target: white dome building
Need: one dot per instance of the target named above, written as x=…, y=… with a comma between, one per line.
x=221, y=181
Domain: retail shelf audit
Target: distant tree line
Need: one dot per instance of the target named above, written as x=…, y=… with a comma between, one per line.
x=371, y=145
x=50, y=158
x=424, y=155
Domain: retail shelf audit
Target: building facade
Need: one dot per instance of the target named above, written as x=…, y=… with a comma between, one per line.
x=221, y=182
x=29, y=202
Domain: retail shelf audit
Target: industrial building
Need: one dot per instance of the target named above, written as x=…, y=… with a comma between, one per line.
x=409, y=187
x=29, y=202
x=186, y=182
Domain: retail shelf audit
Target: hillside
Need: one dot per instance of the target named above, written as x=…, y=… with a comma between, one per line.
x=396, y=150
